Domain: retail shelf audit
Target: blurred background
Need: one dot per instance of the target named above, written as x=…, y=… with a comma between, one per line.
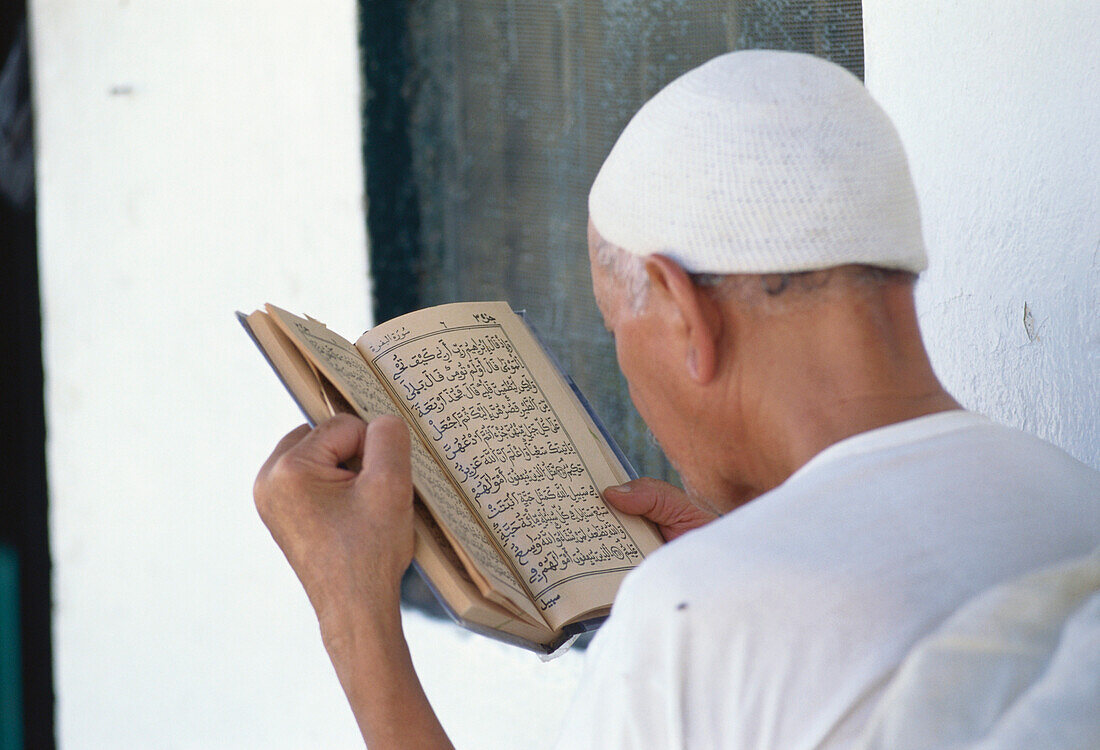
x=163, y=165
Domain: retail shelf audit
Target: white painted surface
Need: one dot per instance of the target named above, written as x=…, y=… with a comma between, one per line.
x=195, y=159
x=997, y=105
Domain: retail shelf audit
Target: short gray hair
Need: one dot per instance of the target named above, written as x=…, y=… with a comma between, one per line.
x=627, y=269
x=777, y=292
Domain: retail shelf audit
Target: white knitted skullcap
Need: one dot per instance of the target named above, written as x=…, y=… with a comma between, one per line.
x=761, y=162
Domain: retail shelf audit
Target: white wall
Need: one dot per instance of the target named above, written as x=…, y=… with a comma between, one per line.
x=998, y=107
x=194, y=159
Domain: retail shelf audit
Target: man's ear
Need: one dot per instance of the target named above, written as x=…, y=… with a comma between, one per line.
x=699, y=317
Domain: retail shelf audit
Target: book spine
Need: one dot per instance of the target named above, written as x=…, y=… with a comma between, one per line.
x=252, y=335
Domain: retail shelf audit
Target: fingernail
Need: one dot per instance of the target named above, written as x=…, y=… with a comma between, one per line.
x=622, y=489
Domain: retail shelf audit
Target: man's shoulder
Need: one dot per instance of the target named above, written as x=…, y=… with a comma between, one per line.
x=956, y=454
x=896, y=507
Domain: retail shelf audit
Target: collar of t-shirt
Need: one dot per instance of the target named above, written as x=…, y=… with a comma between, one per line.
x=892, y=436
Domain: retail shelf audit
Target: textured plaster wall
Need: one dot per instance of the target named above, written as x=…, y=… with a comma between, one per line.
x=997, y=105
x=193, y=159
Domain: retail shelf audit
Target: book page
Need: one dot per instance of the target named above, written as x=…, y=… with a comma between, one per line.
x=342, y=364
x=483, y=393
x=295, y=372
x=458, y=593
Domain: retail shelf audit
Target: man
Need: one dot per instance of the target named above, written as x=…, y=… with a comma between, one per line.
x=754, y=240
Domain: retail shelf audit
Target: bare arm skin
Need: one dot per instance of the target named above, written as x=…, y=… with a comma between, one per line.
x=348, y=535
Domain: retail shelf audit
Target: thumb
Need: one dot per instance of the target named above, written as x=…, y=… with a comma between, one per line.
x=386, y=477
x=662, y=503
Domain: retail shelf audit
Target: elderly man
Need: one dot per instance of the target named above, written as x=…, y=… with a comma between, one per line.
x=754, y=241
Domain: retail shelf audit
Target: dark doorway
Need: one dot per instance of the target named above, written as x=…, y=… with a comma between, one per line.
x=26, y=667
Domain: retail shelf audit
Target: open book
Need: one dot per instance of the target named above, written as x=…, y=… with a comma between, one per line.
x=508, y=463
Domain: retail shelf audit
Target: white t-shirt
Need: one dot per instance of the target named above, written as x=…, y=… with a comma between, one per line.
x=779, y=624
x=1015, y=668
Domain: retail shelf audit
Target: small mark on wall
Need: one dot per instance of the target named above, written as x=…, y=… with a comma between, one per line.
x=123, y=90
x=1029, y=325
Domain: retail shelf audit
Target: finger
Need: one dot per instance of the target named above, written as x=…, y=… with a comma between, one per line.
x=287, y=442
x=658, y=501
x=387, y=445
x=665, y=505
x=332, y=442
x=387, y=460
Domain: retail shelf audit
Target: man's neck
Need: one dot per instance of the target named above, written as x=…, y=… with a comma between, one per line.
x=824, y=374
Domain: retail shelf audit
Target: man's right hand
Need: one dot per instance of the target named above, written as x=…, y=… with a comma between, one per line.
x=662, y=503
x=348, y=534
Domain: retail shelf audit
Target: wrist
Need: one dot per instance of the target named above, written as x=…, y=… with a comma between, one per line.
x=343, y=600
x=353, y=630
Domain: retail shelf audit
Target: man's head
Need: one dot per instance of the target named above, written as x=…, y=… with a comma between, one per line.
x=754, y=236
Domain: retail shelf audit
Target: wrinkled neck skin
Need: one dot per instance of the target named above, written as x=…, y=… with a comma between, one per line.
x=787, y=386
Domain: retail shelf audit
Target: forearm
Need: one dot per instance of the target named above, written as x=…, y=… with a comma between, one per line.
x=375, y=669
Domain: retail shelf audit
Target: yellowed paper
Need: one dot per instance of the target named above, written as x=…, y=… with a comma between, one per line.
x=479, y=389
